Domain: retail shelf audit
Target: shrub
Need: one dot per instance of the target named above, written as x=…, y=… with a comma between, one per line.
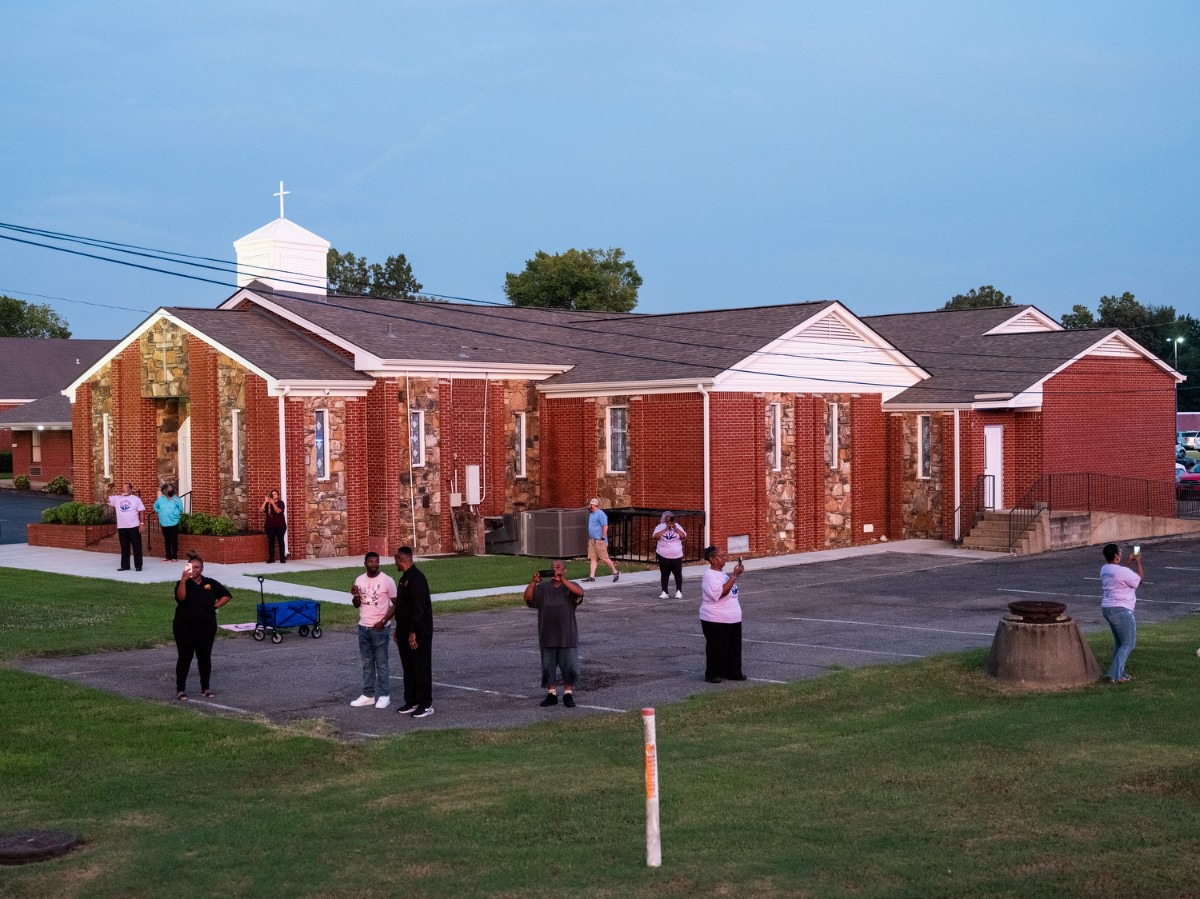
x=50, y=516
x=223, y=527
x=59, y=486
x=68, y=513
x=201, y=523
x=75, y=513
x=21, y=482
x=92, y=513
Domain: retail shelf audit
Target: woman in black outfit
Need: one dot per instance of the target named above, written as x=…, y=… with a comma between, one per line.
x=275, y=524
x=197, y=599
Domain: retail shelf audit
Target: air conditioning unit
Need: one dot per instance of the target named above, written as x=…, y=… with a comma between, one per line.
x=554, y=533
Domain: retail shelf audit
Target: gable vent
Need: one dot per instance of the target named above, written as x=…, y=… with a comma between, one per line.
x=1114, y=346
x=833, y=329
x=1025, y=322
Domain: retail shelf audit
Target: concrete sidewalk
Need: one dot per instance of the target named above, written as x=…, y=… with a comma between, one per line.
x=242, y=577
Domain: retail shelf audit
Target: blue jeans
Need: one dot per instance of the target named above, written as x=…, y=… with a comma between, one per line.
x=560, y=658
x=373, y=649
x=1124, y=630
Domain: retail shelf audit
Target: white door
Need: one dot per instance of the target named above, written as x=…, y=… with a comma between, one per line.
x=993, y=465
x=185, y=462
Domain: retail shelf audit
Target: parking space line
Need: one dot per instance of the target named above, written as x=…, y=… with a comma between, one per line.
x=904, y=627
x=600, y=708
x=767, y=680
x=475, y=689
x=873, y=652
x=1175, y=568
x=217, y=705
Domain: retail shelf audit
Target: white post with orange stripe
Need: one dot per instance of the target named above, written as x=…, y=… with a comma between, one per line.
x=653, y=837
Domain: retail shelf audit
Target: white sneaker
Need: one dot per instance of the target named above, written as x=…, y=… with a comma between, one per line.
x=422, y=713
x=663, y=595
x=679, y=594
x=363, y=700
x=383, y=702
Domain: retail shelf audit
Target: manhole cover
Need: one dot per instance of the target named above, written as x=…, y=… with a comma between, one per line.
x=1037, y=611
x=34, y=846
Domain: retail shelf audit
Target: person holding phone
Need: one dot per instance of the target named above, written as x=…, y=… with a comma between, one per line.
x=668, y=540
x=130, y=515
x=197, y=599
x=721, y=619
x=556, y=599
x=275, y=524
x=1120, y=597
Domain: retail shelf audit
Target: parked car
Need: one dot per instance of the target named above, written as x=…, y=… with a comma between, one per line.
x=1187, y=486
x=1190, y=439
x=1180, y=452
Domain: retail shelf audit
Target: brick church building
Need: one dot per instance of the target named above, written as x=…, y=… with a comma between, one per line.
x=794, y=428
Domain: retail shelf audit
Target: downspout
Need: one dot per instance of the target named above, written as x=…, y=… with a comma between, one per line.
x=283, y=488
x=412, y=504
x=957, y=482
x=707, y=471
x=483, y=474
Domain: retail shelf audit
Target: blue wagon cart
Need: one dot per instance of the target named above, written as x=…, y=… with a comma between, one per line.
x=302, y=614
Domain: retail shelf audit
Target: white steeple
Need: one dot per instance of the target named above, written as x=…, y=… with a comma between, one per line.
x=283, y=256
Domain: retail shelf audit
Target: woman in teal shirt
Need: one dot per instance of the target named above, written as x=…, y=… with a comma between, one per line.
x=169, y=507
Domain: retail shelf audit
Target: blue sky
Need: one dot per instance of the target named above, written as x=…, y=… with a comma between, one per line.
x=889, y=155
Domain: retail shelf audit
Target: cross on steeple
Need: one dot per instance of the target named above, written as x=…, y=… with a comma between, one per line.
x=282, y=193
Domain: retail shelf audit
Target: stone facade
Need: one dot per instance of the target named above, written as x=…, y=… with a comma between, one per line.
x=324, y=526
x=521, y=397
x=921, y=498
x=612, y=488
x=171, y=414
x=231, y=395
x=421, y=486
x=164, y=361
x=102, y=404
x=781, y=483
x=838, y=528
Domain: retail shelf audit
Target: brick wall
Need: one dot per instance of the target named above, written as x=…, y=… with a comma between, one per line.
x=134, y=426
x=86, y=479
x=56, y=455
x=387, y=458
x=666, y=451
x=296, y=498
x=262, y=448
x=205, y=415
x=736, y=440
x=568, y=451
x=358, y=476
x=868, y=469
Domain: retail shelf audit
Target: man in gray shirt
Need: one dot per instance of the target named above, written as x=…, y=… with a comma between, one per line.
x=556, y=599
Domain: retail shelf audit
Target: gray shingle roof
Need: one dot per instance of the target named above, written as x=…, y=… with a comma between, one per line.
x=32, y=367
x=964, y=361
x=48, y=411
x=280, y=351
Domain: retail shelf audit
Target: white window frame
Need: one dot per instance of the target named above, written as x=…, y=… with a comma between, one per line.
x=776, y=436
x=416, y=451
x=609, y=431
x=321, y=426
x=924, y=436
x=106, y=424
x=235, y=443
x=35, y=447
x=519, y=469
x=834, y=414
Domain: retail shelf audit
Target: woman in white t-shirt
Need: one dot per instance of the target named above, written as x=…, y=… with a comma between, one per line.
x=721, y=619
x=1120, y=585
x=668, y=540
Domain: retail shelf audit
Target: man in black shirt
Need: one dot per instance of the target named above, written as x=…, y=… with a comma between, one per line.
x=414, y=635
x=558, y=636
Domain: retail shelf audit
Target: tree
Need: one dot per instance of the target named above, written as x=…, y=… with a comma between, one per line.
x=1078, y=318
x=585, y=280
x=982, y=298
x=355, y=276
x=21, y=319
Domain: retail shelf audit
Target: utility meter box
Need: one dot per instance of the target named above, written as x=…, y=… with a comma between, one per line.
x=473, y=486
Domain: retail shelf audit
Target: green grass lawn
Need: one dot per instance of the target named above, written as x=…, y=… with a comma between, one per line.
x=452, y=573
x=924, y=779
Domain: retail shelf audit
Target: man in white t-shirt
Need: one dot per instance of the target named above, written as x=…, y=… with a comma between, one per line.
x=130, y=513
x=1119, y=585
x=374, y=595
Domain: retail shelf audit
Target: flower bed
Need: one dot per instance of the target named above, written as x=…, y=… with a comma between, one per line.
x=238, y=549
x=70, y=536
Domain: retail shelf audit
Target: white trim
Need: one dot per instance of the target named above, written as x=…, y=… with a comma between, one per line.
x=1027, y=321
x=924, y=424
x=235, y=443
x=776, y=436
x=292, y=387
x=519, y=461
x=322, y=415
x=608, y=441
x=707, y=468
x=833, y=444
x=419, y=460
x=622, y=388
x=106, y=428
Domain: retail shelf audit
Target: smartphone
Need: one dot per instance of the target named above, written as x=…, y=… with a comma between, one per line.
x=739, y=560
x=546, y=573
x=1137, y=550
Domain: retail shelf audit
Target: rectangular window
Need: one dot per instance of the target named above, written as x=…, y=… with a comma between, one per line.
x=618, y=439
x=235, y=441
x=519, y=444
x=36, y=449
x=321, y=444
x=107, y=426
x=775, y=435
x=924, y=466
x=833, y=435
x=416, y=437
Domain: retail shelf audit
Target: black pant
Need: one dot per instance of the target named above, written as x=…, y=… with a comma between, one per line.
x=418, y=669
x=667, y=567
x=275, y=538
x=170, y=541
x=193, y=638
x=722, y=650
x=131, y=538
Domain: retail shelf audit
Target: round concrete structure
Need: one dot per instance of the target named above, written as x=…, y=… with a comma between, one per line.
x=1041, y=656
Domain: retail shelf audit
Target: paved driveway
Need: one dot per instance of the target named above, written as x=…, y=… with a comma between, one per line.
x=19, y=508
x=637, y=650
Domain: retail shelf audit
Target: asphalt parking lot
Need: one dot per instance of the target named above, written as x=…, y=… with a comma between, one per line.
x=800, y=621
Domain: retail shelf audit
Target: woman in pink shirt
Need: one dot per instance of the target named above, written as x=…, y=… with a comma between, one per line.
x=1119, y=586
